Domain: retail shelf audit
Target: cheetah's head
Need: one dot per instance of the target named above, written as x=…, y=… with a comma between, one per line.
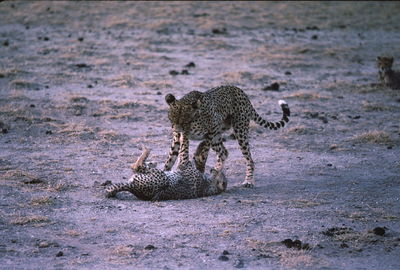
x=384, y=63
x=182, y=112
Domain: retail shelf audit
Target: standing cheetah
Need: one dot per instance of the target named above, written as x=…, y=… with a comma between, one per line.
x=149, y=183
x=387, y=75
x=205, y=116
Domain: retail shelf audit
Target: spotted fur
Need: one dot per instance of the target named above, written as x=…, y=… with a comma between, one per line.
x=387, y=75
x=149, y=183
x=205, y=116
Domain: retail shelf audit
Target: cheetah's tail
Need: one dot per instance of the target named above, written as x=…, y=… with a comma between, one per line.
x=275, y=125
x=112, y=190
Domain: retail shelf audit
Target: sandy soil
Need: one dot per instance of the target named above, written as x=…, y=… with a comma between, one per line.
x=82, y=86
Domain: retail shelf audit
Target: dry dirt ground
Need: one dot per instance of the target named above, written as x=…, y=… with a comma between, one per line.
x=82, y=86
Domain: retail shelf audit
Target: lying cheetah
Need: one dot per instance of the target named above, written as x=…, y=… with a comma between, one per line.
x=149, y=183
x=387, y=75
x=205, y=116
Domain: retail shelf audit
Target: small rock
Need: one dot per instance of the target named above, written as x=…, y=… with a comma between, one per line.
x=239, y=264
x=82, y=65
x=225, y=252
x=344, y=245
x=59, y=254
x=33, y=181
x=150, y=247
x=297, y=244
x=314, y=37
x=80, y=39
x=44, y=244
x=323, y=119
x=185, y=72
x=288, y=73
x=32, y=105
x=190, y=65
x=219, y=31
x=312, y=28
x=389, y=147
x=379, y=231
x=6, y=43
x=46, y=38
x=90, y=86
x=49, y=132
x=272, y=87
x=288, y=243
x=173, y=72
x=159, y=93
x=223, y=258
x=329, y=164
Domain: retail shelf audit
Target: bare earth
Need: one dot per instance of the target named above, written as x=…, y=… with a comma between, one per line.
x=82, y=86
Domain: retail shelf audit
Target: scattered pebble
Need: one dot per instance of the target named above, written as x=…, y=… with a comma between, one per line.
x=288, y=73
x=46, y=38
x=272, y=87
x=379, y=231
x=223, y=258
x=159, y=93
x=289, y=243
x=344, y=245
x=185, y=72
x=329, y=164
x=239, y=263
x=82, y=65
x=59, y=254
x=49, y=132
x=80, y=39
x=218, y=31
x=314, y=37
x=150, y=247
x=6, y=43
x=44, y=244
x=33, y=181
x=90, y=86
x=173, y=72
x=336, y=231
x=225, y=252
x=190, y=65
x=312, y=28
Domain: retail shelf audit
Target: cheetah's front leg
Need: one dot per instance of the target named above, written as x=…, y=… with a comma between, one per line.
x=201, y=155
x=173, y=153
x=221, y=151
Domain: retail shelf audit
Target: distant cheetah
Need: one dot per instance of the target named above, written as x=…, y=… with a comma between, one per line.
x=387, y=75
x=205, y=116
x=149, y=183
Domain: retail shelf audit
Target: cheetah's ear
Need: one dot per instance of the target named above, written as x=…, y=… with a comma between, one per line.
x=169, y=98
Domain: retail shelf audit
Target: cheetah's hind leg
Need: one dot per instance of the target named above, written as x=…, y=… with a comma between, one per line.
x=140, y=161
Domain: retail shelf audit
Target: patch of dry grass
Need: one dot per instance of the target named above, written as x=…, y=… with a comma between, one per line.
x=374, y=136
x=22, y=176
x=58, y=187
x=30, y=219
x=75, y=129
x=122, y=251
x=73, y=233
x=375, y=107
x=40, y=201
x=306, y=95
x=299, y=130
